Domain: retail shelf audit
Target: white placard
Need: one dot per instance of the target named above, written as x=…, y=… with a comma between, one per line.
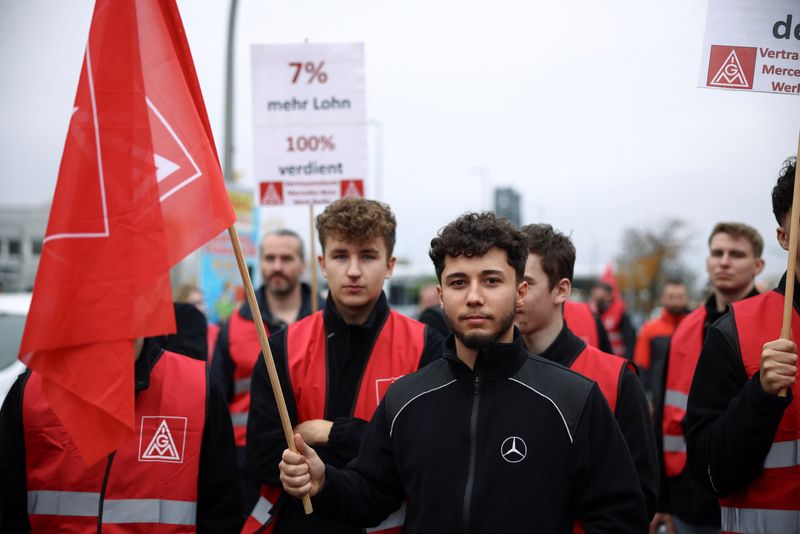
x=309, y=120
x=752, y=45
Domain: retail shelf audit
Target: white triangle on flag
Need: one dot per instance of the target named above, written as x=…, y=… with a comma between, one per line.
x=164, y=167
x=162, y=446
x=730, y=74
x=351, y=190
x=271, y=195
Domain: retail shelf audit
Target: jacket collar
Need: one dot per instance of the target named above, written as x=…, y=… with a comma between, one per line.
x=498, y=360
x=378, y=315
x=782, y=290
x=150, y=354
x=565, y=348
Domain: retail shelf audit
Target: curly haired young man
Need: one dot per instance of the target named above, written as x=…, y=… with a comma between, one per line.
x=489, y=438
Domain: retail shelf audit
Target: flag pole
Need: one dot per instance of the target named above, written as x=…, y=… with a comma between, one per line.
x=265, y=350
x=313, y=259
x=788, y=299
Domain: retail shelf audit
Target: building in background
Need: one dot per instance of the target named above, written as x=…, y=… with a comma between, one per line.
x=21, y=237
x=507, y=204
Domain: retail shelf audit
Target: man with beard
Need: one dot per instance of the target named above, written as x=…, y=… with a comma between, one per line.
x=489, y=438
x=336, y=364
x=282, y=301
x=650, y=354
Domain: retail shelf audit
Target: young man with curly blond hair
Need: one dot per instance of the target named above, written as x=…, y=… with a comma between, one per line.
x=335, y=365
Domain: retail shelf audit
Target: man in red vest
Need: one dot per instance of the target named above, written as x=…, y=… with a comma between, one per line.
x=176, y=473
x=742, y=435
x=282, y=299
x=548, y=272
x=490, y=438
x=652, y=344
x=335, y=365
x=611, y=310
x=734, y=261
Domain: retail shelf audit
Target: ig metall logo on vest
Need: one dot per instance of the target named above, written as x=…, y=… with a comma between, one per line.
x=162, y=439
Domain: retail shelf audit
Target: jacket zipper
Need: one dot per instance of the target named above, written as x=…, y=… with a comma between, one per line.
x=103, y=492
x=473, y=437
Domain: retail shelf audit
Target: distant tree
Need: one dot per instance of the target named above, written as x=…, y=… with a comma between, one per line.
x=651, y=257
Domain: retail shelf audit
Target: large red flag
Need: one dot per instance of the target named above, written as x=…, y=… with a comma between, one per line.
x=139, y=188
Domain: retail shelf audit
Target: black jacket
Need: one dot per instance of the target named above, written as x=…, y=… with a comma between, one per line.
x=219, y=500
x=632, y=414
x=684, y=496
x=348, y=350
x=221, y=365
x=518, y=444
x=730, y=420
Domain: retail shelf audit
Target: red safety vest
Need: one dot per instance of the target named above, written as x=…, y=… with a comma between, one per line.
x=149, y=484
x=244, y=348
x=684, y=352
x=580, y=320
x=605, y=369
x=771, y=502
x=397, y=352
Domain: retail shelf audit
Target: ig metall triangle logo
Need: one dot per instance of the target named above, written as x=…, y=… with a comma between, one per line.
x=162, y=439
x=731, y=67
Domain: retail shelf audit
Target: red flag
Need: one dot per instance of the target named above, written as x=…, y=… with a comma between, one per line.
x=139, y=188
x=608, y=277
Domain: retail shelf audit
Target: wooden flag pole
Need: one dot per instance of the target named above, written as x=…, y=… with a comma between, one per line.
x=788, y=299
x=313, y=259
x=265, y=350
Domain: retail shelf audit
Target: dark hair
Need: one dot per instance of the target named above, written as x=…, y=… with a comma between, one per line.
x=285, y=232
x=783, y=191
x=474, y=234
x=358, y=220
x=556, y=251
x=737, y=230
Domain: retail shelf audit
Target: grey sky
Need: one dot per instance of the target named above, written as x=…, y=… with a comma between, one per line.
x=590, y=109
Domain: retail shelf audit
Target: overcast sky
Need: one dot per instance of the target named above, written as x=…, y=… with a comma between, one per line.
x=589, y=109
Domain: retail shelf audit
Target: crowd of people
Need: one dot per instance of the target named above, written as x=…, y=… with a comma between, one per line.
x=505, y=406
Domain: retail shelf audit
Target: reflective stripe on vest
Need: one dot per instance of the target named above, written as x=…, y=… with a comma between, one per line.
x=152, y=477
x=262, y=519
x=397, y=352
x=759, y=520
x=580, y=320
x=684, y=352
x=243, y=348
x=783, y=454
x=771, y=501
x=676, y=399
x=605, y=369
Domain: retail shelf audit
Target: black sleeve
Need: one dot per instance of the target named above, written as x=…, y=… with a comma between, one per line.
x=633, y=416
x=265, y=438
x=658, y=420
x=222, y=365
x=366, y=491
x=13, y=488
x=603, y=340
x=730, y=420
x=608, y=497
x=219, y=494
x=434, y=346
x=628, y=335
